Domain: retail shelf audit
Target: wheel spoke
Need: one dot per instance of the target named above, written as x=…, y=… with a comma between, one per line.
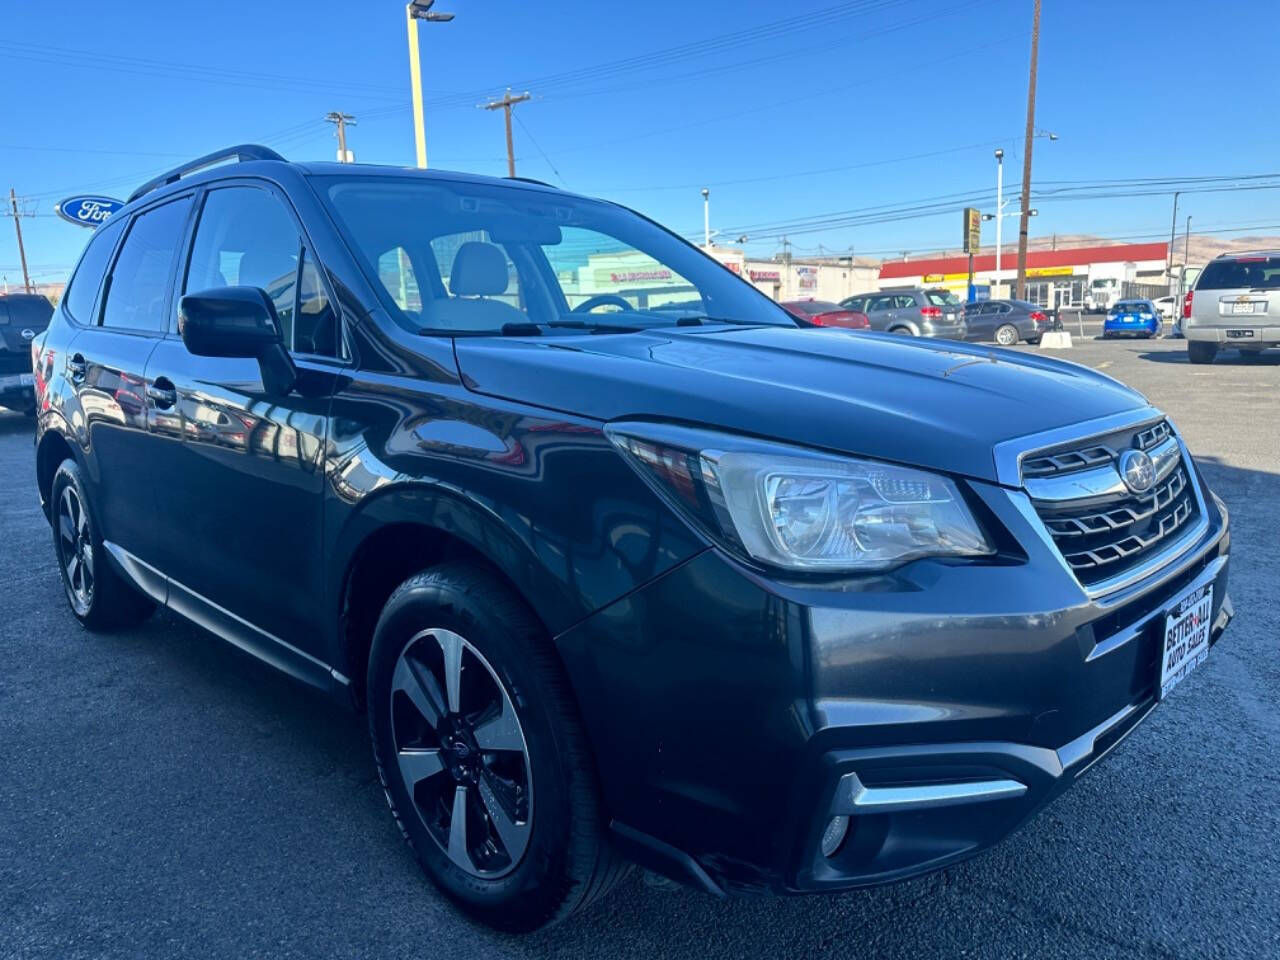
x=82, y=522
x=73, y=571
x=421, y=688
x=66, y=529
x=417, y=765
x=86, y=558
x=451, y=645
x=458, y=830
x=514, y=836
x=501, y=732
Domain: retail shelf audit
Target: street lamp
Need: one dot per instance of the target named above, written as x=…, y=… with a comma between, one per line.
x=706, y=217
x=419, y=10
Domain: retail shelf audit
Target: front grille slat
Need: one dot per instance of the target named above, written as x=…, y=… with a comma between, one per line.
x=1102, y=538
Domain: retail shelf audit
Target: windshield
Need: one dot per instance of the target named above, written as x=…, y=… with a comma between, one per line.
x=458, y=258
x=1102, y=284
x=942, y=298
x=1241, y=273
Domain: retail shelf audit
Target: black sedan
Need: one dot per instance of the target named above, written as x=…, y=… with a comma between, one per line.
x=1005, y=321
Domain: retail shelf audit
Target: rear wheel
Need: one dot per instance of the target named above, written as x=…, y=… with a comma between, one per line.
x=481, y=753
x=902, y=331
x=1007, y=335
x=98, y=596
x=1198, y=351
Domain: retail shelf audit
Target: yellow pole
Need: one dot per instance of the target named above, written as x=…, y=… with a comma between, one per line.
x=415, y=79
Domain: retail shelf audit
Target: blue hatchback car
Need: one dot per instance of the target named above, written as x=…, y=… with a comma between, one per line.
x=1133, y=318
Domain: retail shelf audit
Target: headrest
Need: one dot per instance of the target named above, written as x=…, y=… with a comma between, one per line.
x=479, y=270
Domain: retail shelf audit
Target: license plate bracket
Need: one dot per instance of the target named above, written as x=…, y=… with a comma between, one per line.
x=1185, y=641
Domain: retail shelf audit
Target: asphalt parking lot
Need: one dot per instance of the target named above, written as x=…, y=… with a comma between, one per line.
x=162, y=795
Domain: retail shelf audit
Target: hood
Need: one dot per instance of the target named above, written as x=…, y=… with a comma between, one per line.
x=927, y=403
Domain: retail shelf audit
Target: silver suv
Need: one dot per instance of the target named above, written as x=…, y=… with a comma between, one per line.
x=1235, y=303
x=914, y=311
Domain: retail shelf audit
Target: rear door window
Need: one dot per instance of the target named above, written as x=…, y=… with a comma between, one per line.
x=1250, y=273
x=139, y=287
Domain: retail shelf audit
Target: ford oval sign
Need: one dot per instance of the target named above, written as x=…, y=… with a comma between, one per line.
x=87, y=211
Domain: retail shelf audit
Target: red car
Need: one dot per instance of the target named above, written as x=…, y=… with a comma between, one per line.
x=823, y=313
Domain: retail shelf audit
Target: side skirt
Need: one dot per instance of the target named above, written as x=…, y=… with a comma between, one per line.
x=226, y=625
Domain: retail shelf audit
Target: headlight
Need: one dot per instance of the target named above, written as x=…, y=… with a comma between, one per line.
x=802, y=510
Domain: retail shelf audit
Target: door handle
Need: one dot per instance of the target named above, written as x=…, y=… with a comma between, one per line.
x=162, y=393
x=77, y=368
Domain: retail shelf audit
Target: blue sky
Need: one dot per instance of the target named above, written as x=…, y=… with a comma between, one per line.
x=785, y=112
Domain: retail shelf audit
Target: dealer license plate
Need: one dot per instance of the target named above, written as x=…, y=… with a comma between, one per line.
x=1186, y=637
x=1242, y=308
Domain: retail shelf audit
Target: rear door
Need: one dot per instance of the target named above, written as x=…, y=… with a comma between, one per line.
x=107, y=364
x=239, y=471
x=879, y=310
x=1240, y=296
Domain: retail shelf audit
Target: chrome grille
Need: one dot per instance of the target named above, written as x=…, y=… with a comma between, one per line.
x=1101, y=536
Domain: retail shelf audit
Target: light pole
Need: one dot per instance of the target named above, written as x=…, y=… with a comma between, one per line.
x=1173, y=230
x=419, y=10
x=999, y=208
x=706, y=217
x=1186, y=244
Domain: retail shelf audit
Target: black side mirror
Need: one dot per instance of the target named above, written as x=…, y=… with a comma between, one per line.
x=238, y=322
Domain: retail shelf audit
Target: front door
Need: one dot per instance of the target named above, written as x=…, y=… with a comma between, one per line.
x=239, y=472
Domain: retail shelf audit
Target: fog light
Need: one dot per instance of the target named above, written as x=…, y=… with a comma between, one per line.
x=834, y=835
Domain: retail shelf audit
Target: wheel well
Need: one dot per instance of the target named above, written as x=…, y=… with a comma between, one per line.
x=53, y=450
x=385, y=560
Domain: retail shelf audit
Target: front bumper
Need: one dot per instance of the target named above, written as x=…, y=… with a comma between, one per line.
x=732, y=716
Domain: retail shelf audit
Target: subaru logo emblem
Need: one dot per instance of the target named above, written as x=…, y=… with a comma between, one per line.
x=1137, y=470
x=28, y=334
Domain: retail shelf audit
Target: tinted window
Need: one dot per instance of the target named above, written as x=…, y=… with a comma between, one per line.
x=78, y=300
x=904, y=301
x=29, y=312
x=140, y=278
x=854, y=303
x=942, y=298
x=881, y=303
x=246, y=238
x=1253, y=273
x=813, y=307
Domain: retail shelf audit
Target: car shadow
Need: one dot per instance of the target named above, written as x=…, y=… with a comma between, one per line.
x=11, y=423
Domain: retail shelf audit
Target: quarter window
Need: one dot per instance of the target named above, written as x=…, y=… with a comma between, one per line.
x=135, y=299
x=83, y=291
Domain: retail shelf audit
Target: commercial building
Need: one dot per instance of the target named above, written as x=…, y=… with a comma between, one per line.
x=802, y=278
x=1055, y=278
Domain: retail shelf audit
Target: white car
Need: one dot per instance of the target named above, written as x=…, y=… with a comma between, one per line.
x=1167, y=306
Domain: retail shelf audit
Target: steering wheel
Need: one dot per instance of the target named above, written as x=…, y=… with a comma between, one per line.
x=600, y=300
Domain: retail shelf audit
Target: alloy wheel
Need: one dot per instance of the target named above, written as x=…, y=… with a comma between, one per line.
x=461, y=753
x=75, y=546
x=1006, y=336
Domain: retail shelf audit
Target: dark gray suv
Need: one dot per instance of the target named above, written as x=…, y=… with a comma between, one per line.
x=622, y=564
x=912, y=311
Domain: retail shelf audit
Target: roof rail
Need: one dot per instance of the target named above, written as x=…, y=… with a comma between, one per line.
x=240, y=153
x=541, y=183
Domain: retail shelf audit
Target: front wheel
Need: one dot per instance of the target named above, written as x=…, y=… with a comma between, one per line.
x=902, y=331
x=1007, y=335
x=1198, y=351
x=481, y=753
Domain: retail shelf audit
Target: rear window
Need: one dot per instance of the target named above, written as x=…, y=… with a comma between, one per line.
x=1132, y=306
x=942, y=298
x=1252, y=273
x=27, y=312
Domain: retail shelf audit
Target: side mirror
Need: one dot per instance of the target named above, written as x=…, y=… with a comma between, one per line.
x=238, y=322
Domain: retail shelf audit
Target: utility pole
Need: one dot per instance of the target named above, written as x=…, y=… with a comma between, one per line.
x=419, y=10
x=505, y=104
x=999, y=211
x=22, y=253
x=706, y=218
x=1173, y=229
x=1021, y=288
x=1186, y=244
x=341, y=120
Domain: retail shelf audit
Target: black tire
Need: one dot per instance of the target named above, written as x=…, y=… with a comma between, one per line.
x=902, y=331
x=1198, y=351
x=568, y=862
x=99, y=597
x=1006, y=335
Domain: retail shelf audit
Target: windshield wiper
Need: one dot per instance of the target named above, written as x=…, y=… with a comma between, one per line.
x=595, y=327
x=697, y=319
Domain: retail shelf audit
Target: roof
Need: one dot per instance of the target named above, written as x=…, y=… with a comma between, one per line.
x=1036, y=259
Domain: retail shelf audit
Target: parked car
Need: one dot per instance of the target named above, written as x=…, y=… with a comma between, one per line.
x=916, y=312
x=1168, y=307
x=1132, y=318
x=761, y=608
x=1235, y=303
x=1005, y=321
x=22, y=317
x=823, y=313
